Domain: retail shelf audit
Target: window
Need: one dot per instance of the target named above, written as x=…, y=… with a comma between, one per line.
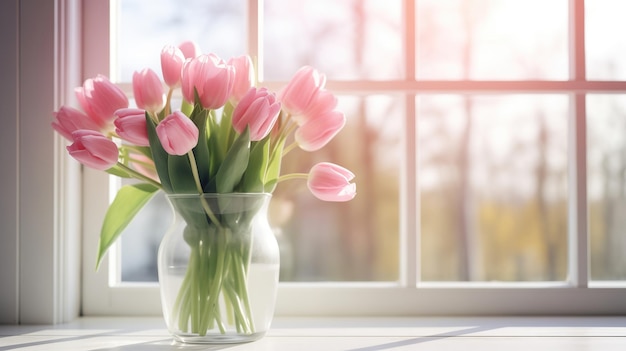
x=485, y=136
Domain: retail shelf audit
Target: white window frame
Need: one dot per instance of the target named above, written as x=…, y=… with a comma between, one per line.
x=409, y=296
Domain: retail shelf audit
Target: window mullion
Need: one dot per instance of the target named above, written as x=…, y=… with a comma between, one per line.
x=409, y=199
x=254, y=15
x=578, y=226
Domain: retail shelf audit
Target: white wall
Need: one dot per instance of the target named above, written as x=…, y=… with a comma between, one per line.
x=39, y=218
x=8, y=162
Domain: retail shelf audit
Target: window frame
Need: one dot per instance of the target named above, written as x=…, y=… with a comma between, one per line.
x=409, y=296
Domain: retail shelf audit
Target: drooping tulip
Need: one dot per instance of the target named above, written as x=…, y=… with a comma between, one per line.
x=258, y=109
x=130, y=125
x=318, y=131
x=93, y=149
x=172, y=59
x=211, y=77
x=148, y=90
x=177, y=134
x=69, y=119
x=189, y=49
x=301, y=90
x=244, y=77
x=331, y=182
x=100, y=98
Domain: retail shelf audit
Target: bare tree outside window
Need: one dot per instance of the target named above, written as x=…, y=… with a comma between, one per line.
x=473, y=230
x=345, y=40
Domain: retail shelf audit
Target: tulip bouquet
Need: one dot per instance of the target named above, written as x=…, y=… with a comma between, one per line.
x=227, y=136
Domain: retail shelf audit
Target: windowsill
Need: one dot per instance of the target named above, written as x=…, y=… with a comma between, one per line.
x=366, y=334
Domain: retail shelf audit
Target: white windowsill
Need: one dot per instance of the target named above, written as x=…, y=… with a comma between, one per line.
x=365, y=334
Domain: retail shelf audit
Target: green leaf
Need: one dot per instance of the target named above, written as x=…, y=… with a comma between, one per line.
x=159, y=155
x=235, y=164
x=226, y=131
x=128, y=201
x=254, y=178
x=186, y=107
x=181, y=176
x=201, y=151
x=117, y=171
x=273, y=169
x=214, y=143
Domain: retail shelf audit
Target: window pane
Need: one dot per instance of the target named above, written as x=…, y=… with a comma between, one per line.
x=605, y=47
x=493, y=183
x=606, y=172
x=492, y=39
x=357, y=240
x=140, y=241
x=143, y=29
x=345, y=39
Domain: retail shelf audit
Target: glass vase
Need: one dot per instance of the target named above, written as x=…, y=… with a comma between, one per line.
x=218, y=268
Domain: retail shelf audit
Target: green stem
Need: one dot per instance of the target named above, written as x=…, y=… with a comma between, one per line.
x=290, y=176
x=242, y=284
x=289, y=147
x=167, y=107
x=285, y=129
x=196, y=178
x=218, y=274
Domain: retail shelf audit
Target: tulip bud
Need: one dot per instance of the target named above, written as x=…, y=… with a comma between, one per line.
x=130, y=125
x=244, y=77
x=100, y=98
x=69, y=119
x=148, y=90
x=318, y=131
x=177, y=134
x=211, y=77
x=93, y=149
x=189, y=49
x=172, y=59
x=330, y=182
x=301, y=90
x=258, y=110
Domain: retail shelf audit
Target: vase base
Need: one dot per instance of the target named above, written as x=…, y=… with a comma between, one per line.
x=217, y=338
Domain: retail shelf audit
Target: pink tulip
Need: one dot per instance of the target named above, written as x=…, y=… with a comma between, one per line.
x=301, y=92
x=177, y=133
x=148, y=90
x=69, y=119
x=130, y=125
x=323, y=102
x=93, y=149
x=189, y=49
x=100, y=98
x=172, y=60
x=244, y=77
x=318, y=131
x=259, y=110
x=211, y=77
x=330, y=182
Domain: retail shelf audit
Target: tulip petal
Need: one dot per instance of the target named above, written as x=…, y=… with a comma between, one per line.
x=331, y=182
